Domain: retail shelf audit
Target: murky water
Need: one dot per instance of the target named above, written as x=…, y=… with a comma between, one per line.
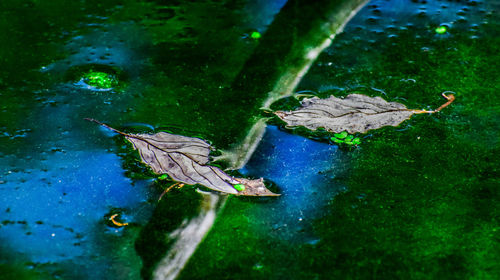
x=414, y=201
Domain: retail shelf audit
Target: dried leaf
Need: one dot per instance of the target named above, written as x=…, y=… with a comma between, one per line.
x=185, y=160
x=354, y=113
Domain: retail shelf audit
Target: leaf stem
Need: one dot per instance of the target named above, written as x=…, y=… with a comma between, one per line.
x=450, y=99
x=106, y=126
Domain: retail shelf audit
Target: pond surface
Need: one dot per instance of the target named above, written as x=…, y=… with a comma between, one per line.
x=416, y=201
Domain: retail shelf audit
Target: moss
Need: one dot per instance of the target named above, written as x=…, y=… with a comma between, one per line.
x=100, y=80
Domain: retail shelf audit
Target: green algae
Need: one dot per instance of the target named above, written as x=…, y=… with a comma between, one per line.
x=100, y=80
x=255, y=35
x=441, y=30
x=345, y=138
x=341, y=135
x=239, y=187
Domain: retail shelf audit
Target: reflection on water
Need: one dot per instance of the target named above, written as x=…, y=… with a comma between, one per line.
x=304, y=171
x=54, y=210
x=256, y=235
x=188, y=236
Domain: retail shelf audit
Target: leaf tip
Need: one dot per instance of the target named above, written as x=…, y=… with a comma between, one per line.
x=254, y=187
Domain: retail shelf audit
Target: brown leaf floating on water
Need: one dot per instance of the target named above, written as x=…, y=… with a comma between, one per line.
x=185, y=160
x=354, y=113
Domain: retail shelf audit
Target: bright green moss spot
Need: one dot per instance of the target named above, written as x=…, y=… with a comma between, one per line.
x=336, y=140
x=100, y=80
x=345, y=138
x=441, y=30
x=255, y=35
x=239, y=187
x=341, y=135
x=163, y=177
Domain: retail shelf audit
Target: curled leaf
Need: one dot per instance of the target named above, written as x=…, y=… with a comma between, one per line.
x=354, y=113
x=185, y=160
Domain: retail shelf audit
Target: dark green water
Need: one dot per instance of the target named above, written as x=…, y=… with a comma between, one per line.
x=419, y=201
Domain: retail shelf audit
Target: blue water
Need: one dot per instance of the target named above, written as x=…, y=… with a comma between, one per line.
x=305, y=172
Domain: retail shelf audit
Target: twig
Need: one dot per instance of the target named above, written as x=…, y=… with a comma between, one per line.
x=118, y=224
